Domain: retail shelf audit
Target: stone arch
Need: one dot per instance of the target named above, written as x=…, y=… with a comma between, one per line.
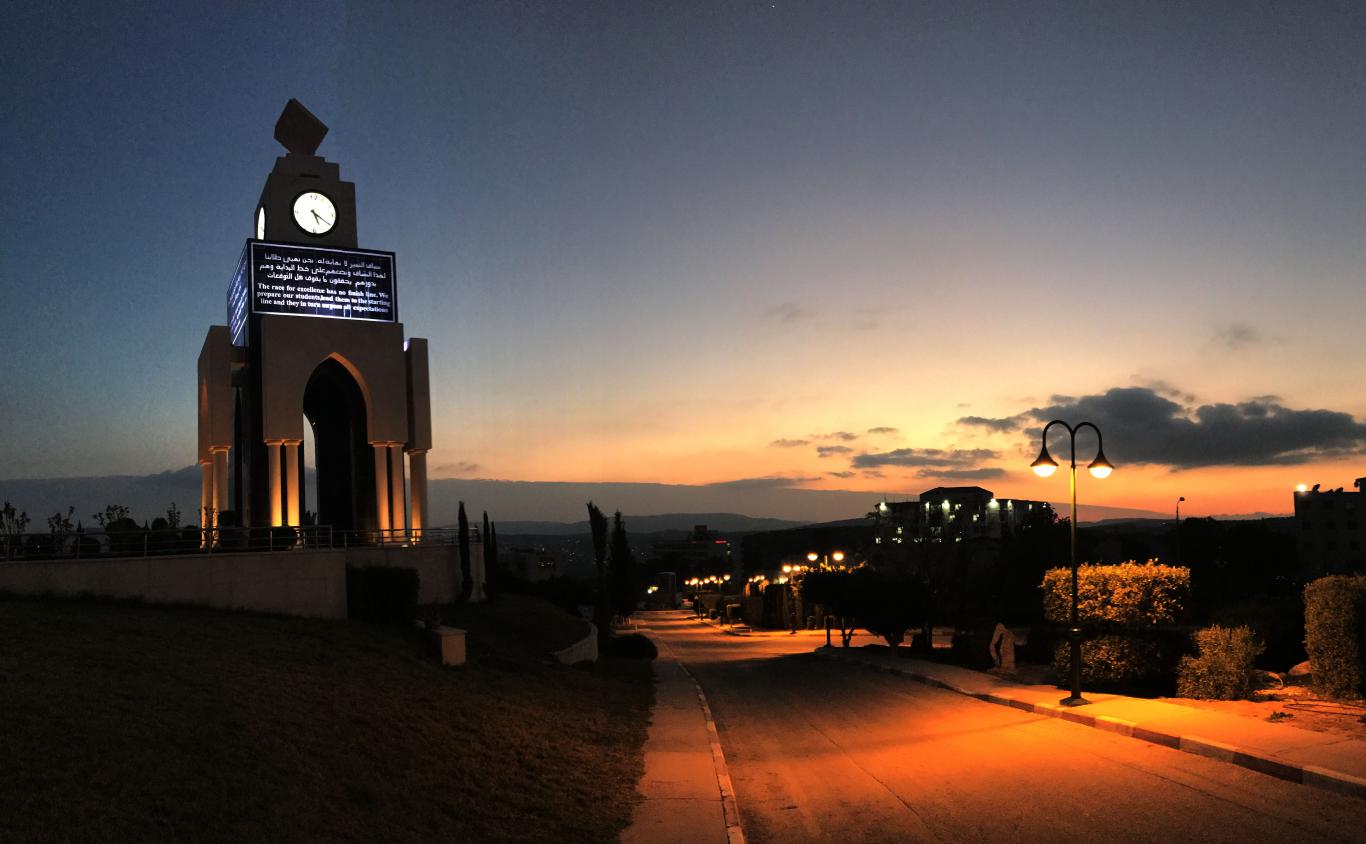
x=336, y=404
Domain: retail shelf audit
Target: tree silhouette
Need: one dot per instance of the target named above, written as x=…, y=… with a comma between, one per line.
x=490, y=561
x=597, y=523
x=623, y=586
x=463, y=540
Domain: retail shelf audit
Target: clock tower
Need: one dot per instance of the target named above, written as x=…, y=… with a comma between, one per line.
x=305, y=199
x=313, y=339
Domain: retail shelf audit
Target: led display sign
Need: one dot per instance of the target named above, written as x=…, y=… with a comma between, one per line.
x=295, y=280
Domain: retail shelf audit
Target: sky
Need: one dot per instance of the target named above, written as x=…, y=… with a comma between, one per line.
x=866, y=246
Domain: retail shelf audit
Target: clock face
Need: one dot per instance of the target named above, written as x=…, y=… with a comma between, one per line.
x=260, y=224
x=314, y=213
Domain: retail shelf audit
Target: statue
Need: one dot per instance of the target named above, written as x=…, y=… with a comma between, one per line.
x=1002, y=649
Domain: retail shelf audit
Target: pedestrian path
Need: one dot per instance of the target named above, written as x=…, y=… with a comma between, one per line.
x=1324, y=760
x=686, y=791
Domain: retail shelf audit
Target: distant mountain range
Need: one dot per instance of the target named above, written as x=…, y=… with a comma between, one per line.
x=522, y=507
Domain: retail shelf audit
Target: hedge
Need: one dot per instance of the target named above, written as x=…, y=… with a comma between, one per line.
x=1335, y=634
x=1123, y=606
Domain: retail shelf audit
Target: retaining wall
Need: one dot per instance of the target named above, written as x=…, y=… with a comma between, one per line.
x=308, y=583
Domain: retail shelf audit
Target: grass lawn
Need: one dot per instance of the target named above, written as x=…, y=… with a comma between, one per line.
x=128, y=722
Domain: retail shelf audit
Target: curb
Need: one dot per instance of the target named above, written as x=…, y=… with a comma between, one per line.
x=730, y=811
x=713, y=625
x=1311, y=775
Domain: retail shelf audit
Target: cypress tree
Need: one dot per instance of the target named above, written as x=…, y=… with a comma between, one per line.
x=623, y=589
x=463, y=538
x=602, y=615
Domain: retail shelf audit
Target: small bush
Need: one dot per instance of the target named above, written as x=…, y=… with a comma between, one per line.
x=381, y=593
x=1222, y=669
x=1335, y=634
x=630, y=646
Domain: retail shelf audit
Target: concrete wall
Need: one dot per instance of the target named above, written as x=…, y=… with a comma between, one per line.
x=304, y=583
x=438, y=567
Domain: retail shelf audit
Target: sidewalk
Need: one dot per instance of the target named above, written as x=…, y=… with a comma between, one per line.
x=1322, y=760
x=686, y=790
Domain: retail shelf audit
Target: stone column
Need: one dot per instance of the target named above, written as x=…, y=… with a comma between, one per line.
x=417, y=490
x=220, y=483
x=292, y=482
x=277, y=516
x=381, y=488
x=399, y=520
x=205, y=499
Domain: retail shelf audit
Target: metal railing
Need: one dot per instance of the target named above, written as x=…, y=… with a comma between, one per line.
x=99, y=544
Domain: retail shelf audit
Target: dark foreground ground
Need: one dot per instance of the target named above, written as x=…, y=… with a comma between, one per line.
x=125, y=722
x=823, y=751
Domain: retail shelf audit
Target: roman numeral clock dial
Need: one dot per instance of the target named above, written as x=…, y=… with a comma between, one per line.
x=314, y=213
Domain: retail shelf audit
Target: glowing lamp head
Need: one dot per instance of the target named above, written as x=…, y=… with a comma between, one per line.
x=1044, y=465
x=1100, y=467
x=838, y=556
x=787, y=569
x=813, y=556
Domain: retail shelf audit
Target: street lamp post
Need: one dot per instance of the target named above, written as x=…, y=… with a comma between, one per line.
x=1045, y=466
x=1178, y=529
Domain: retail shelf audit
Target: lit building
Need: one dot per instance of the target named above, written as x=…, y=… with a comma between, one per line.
x=953, y=514
x=1331, y=529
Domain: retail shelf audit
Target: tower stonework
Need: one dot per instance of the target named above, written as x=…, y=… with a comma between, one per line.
x=313, y=338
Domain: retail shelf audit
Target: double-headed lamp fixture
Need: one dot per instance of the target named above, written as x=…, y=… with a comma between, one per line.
x=1044, y=465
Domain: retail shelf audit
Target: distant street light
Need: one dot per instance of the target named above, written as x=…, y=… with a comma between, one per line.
x=1178, y=529
x=1044, y=466
x=812, y=557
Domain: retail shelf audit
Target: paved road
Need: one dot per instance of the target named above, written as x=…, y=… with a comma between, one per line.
x=821, y=751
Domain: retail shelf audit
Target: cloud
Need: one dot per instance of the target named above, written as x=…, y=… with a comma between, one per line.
x=1166, y=388
x=828, y=450
x=844, y=436
x=1143, y=427
x=766, y=482
x=1238, y=335
x=953, y=458
x=873, y=473
x=841, y=474
x=883, y=429
x=788, y=443
x=1004, y=425
x=983, y=474
x=786, y=313
x=460, y=467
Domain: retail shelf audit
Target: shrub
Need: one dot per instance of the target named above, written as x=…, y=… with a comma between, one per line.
x=1222, y=669
x=1335, y=634
x=381, y=593
x=1123, y=605
x=631, y=646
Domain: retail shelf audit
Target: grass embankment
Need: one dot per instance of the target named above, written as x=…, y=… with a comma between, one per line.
x=126, y=722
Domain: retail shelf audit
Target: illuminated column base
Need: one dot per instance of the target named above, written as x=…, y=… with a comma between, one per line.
x=220, y=484
x=417, y=490
x=205, y=500
x=277, y=516
x=382, y=489
x=398, y=520
x=292, y=482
